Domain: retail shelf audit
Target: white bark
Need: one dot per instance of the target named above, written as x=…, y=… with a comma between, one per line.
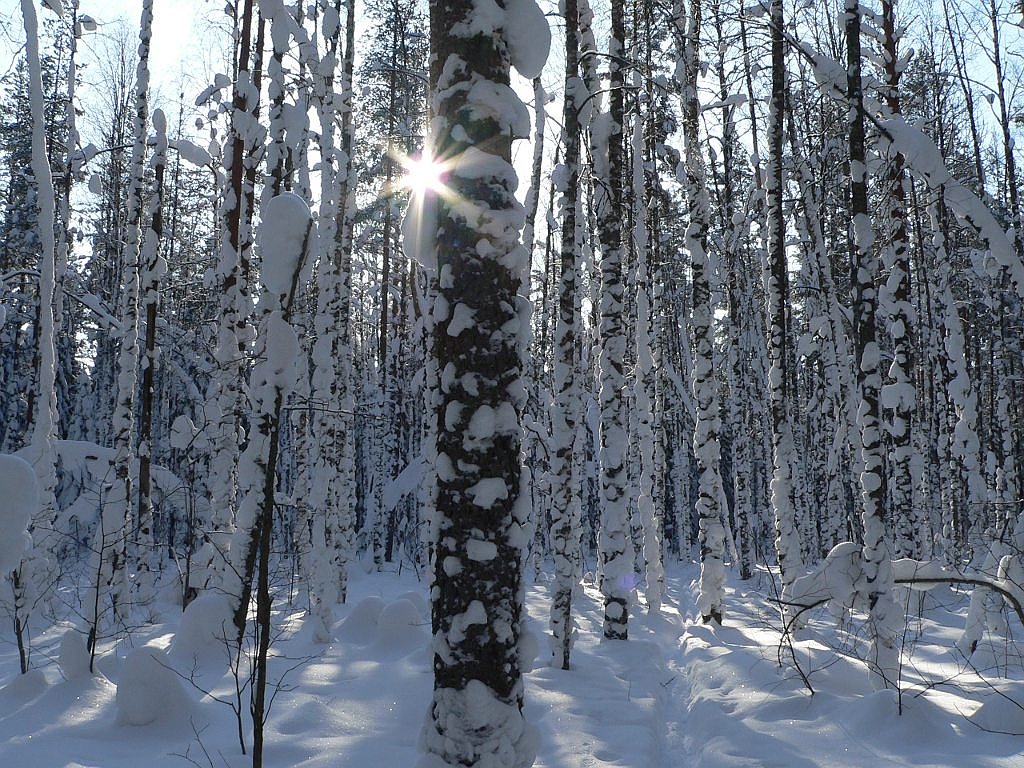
x=120, y=495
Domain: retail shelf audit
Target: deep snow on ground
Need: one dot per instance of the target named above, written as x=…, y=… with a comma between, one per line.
x=676, y=694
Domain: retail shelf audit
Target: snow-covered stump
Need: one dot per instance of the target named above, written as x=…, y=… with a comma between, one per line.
x=470, y=235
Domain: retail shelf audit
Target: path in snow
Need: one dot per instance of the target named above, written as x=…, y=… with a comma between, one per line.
x=609, y=708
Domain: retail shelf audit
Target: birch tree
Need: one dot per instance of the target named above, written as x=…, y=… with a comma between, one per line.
x=884, y=619
x=29, y=573
x=706, y=447
x=116, y=517
x=153, y=269
x=787, y=542
x=232, y=276
x=565, y=482
x=606, y=131
x=894, y=300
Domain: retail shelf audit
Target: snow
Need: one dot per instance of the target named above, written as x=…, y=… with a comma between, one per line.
x=487, y=491
x=396, y=617
x=204, y=626
x=74, y=655
x=283, y=237
x=191, y=153
x=361, y=623
x=488, y=99
x=463, y=318
x=528, y=36
x=183, y=431
x=481, y=551
x=677, y=693
x=925, y=161
x=481, y=425
x=18, y=502
x=735, y=100
x=486, y=18
x=148, y=689
x=282, y=346
x=408, y=480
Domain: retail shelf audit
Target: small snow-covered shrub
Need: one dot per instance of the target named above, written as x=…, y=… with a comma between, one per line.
x=149, y=690
x=74, y=655
x=204, y=626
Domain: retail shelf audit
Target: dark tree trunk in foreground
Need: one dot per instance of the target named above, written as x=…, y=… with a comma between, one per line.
x=472, y=230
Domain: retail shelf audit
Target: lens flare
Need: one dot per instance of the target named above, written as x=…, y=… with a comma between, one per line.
x=423, y=174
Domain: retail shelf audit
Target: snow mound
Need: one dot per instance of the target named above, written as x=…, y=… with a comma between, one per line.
x=419, y=601
x=397, y=616
x=1001, y=713
x=360, y=625
x=73, y=656
x=400, y=630
x=149, y=690
x=204, y=626
x=388, y=630
x=22, y=688
x=18, y=502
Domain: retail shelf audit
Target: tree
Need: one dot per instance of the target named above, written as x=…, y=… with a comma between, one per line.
x=564, y=416
x=470, y=235
x=41, y=449
x=116, y=521
x=152, y=268
x=884, y=619
x=894, y=298
x=787, y=542
x=232, y=273
x=606, y=132
x=706, y=447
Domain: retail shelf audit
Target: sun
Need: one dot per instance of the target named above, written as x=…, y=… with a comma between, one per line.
x=423, y=174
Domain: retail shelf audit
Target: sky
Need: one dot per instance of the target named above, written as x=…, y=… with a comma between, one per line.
x=181, y=34
x=174, y=26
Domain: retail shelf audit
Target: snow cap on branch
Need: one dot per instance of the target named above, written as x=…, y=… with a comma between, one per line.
x=284, y=238
x=18, y=503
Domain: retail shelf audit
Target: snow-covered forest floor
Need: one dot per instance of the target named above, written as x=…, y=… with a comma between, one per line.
x=676, y=694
